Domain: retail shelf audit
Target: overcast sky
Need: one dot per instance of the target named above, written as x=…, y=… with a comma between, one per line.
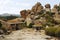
x=14, y=6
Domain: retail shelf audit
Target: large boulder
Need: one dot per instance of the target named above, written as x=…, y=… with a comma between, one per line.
x=37, y=7
x=47, y=8
x=54, y=9
x=56, y=6
x=28, y=12
x=23, y=13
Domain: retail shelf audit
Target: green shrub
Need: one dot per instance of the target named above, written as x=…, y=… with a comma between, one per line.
x=57, y=32
x=30, y=25
x=50, y=31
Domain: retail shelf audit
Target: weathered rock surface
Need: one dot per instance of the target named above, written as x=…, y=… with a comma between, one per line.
x=26, y=34
x=37, y=7
x=47, y=8
x=23, y=13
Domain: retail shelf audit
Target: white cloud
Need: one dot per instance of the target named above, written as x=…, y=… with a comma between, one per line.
x=23, y=4
x=9, y=6
x=2, y=5
x=4, y=2
x=14, y=6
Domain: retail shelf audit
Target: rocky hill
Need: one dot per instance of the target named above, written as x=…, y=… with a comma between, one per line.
x=44, y=15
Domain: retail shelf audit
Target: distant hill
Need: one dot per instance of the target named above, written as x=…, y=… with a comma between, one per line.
x=7, y=14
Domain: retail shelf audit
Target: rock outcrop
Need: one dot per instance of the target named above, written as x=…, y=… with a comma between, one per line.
x=39, y=11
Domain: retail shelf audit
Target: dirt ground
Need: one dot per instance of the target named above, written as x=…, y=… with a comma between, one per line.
x=27, y=34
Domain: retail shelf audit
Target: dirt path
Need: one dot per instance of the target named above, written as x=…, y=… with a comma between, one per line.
x=26, y=34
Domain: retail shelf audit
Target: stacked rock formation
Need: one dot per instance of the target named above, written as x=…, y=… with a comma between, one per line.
x=38, y=11
x=37, y=8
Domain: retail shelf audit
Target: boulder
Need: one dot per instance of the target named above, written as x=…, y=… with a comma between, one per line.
x=37, y=7
x=1, y=32
x=56, y=6
x=54, y=10
x=23, y=14
x=47, y=8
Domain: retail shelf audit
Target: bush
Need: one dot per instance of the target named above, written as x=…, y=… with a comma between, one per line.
x=57, y=32
x=30, y=25
x=50, y=31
